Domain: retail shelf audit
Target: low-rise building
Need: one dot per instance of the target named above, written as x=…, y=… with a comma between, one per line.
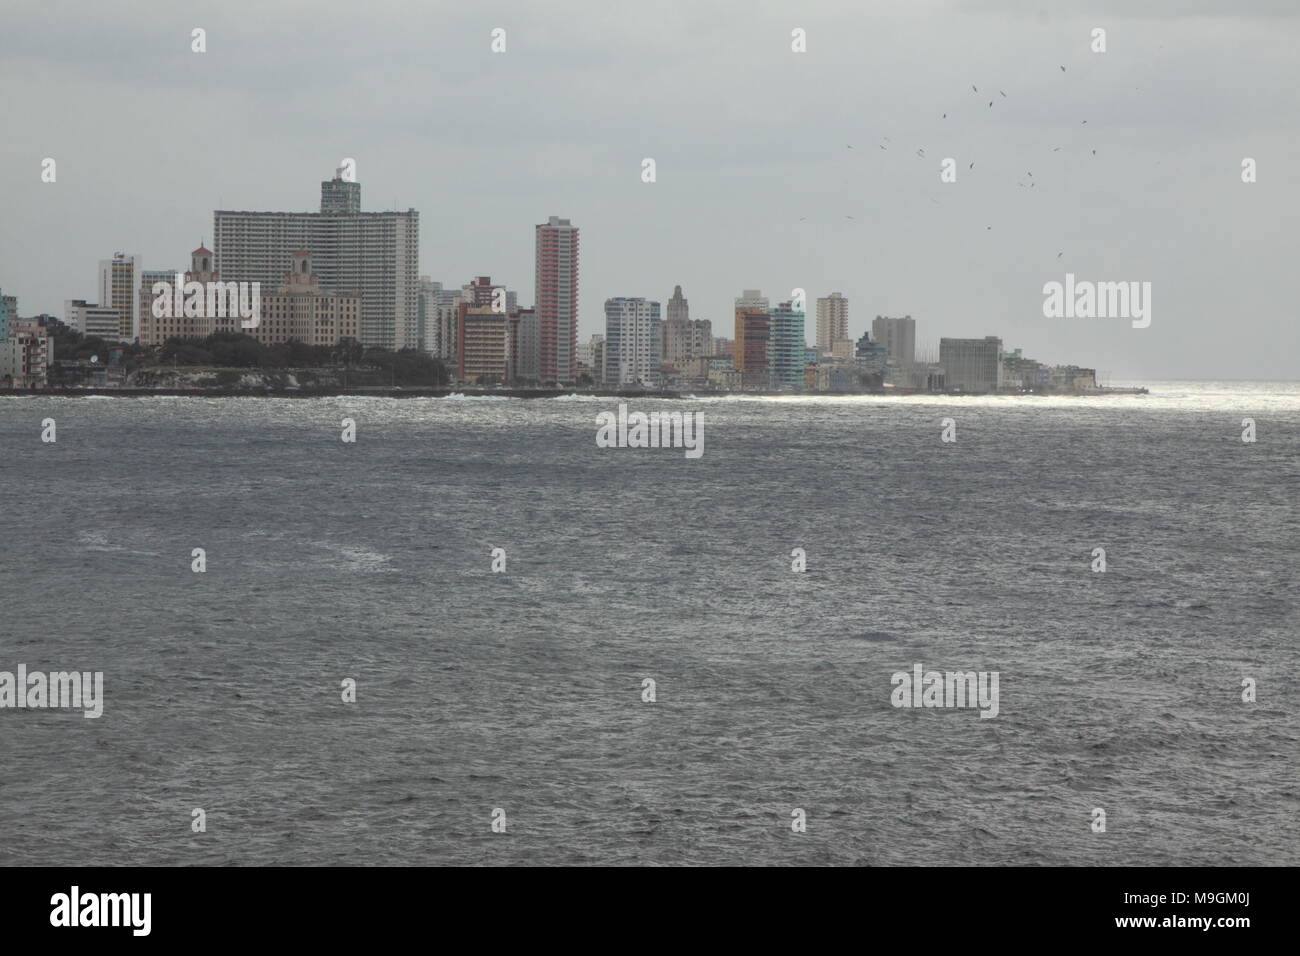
x=25, y=355
x=871, y=357
x=88, y=318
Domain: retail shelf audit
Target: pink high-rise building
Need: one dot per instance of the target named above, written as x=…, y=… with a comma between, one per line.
x=557, y=299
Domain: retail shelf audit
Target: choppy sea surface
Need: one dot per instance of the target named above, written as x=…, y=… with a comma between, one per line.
x=523, y=690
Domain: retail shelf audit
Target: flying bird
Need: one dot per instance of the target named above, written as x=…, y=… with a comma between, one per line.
x=974, y=87
x=1003, y=93
x=1084, y=123
x=1094, y=152
x=848, y=147
x=1059, y=254
x=990, y=102
x=945, y=115
x=971, y=166
x=1062, y=69
x=1056, y=149
x=1031, y=175
x=882, y=147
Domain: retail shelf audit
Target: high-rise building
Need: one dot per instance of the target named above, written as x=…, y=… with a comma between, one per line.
x=973, y=365
x=119, y=280
x=373, y=255
x=832, y=322
x=437, y=319
x=483, y=345
x=527, y=345
x=145, y=297
x=8, y=313
x=751, y=354
x=556, y=298
x=683, y=339
x=897, y=335
x=787, y=347
x=426, y=321
x=686, y=339
x=678, y=308
x=633, y=343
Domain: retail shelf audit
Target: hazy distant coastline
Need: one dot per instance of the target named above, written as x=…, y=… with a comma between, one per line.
x=381, y=391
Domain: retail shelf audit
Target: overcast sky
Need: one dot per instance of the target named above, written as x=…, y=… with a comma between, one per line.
x=755, y=178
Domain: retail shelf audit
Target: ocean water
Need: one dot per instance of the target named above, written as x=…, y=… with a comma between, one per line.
x=522, y=690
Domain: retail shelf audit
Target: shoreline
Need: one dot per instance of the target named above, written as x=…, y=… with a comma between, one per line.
x=419, y=391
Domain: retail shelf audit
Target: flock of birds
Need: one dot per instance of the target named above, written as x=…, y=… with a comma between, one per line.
x=920, y=153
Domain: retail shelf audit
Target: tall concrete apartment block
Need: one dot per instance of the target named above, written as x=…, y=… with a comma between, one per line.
x=787, y=347
x=832, y=322
x=633, y=342
x=8, y=313
x=557, y=298
x=119, y=280
x=145, y=297
x=483, y=345
x=897, y=335
x=373, y=255
x=751, y=354
x=427, y=328
x=974, y=365
x=528, y=345
x=438, y=319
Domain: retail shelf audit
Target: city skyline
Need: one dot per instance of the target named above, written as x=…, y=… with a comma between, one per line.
x=763, y=198
x=696, y=434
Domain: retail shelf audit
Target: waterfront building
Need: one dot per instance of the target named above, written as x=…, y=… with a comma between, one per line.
x=898, y=336
x=556, y=298
x=483, y=345
x=972, y=365
x=119, y=280
x=633, y=342
x=832, y=322
x=371, y=255
x=89, y=318
x=787, y=347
